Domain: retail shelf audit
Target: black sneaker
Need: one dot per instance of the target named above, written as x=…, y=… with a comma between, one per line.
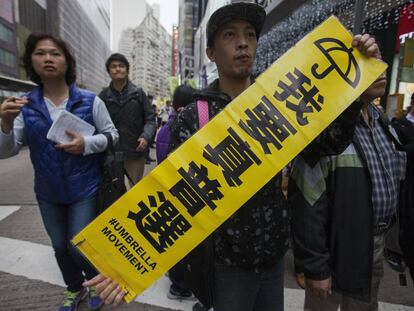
x=394, y=260
x=199, y=307
x=180, y=294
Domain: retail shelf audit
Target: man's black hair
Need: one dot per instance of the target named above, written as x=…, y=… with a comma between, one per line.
x=117, y=57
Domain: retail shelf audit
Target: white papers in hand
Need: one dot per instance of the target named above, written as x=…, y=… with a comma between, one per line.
x=67, y=121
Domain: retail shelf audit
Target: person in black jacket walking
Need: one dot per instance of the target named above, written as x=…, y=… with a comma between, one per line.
x=132, y=115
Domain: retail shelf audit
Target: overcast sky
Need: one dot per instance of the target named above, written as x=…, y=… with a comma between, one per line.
x=168, y=13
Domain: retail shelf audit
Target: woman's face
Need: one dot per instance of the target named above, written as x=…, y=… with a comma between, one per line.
x=48, y=60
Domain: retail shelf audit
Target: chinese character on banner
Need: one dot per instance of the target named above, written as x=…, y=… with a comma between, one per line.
x=267, y=125
x=161, y=224
x=307, y=102
x=195, y=190
x=233, y=155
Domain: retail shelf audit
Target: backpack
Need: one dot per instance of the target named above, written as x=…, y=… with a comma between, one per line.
x=163, y=140
x=164, y=135
x=112, y=185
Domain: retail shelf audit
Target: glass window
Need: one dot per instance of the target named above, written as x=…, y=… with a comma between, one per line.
x=7, y=58
x=6, y=34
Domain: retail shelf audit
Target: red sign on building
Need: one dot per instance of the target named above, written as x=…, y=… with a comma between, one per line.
x=405, y=25
x=175, y=60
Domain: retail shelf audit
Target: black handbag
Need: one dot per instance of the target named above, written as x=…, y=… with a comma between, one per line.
x=112, y=185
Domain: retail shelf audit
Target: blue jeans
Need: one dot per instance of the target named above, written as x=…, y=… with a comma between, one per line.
x=62, y=223
x=248, y=290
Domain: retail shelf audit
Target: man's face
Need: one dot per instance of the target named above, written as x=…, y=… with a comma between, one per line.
x=234, y=49
x=118, y=70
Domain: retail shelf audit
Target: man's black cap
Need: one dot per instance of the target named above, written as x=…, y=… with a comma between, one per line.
x=246, y=11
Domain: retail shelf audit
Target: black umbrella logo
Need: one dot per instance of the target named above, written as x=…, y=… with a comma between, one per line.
x=327, y=46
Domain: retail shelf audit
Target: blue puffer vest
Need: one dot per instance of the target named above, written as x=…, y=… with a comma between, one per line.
x=60, y=177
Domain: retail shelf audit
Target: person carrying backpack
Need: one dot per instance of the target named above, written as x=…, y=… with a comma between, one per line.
x=183, y=95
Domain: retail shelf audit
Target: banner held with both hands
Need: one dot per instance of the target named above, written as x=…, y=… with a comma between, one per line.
x=201, y=184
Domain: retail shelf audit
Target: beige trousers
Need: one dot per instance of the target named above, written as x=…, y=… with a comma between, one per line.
x=315, y=303
x=134, y=168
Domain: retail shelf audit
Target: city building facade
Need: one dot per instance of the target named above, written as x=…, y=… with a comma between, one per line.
x=189, y=17
x=85, y=25
x=149, y=49
x=126, y=43
x=8, y=43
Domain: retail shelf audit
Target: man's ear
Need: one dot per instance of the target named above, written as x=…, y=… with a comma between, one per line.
x=210, y=53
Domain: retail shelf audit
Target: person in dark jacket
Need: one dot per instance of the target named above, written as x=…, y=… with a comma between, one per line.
x=405, y=130
x=67, y=175
x=132, y=115
x=240, y=266
x=342, y=207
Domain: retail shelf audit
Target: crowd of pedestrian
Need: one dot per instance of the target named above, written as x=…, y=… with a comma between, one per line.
x=333, y=205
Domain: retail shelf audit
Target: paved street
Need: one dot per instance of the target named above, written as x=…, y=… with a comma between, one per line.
x=30, y=279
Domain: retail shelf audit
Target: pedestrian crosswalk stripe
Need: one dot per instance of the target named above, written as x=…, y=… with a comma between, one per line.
x=7, y=210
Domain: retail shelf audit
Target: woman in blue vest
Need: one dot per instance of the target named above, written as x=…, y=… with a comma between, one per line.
x=67, y=175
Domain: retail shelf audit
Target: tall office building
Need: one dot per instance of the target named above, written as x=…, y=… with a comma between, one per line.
x=8, y=43
x=150, y=55
x=85, y=25
x=126, y=43
x=125, y=14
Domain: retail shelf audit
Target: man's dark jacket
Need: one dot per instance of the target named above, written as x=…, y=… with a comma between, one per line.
x=256, y=236
x=132, y=115
x=405, y=131
x=332, y=219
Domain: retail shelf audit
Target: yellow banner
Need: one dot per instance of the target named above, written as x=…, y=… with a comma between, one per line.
x=218, y=169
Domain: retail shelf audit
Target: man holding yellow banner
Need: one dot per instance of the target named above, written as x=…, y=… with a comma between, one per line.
x=248, y=275
x=242, y=261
